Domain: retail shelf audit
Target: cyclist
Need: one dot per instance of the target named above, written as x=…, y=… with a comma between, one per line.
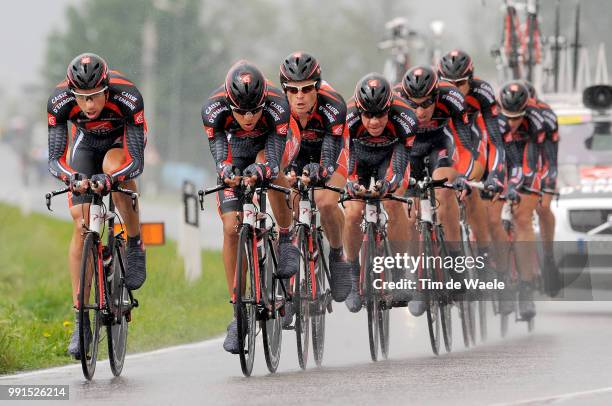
x=380, y=125
x=548, y=176
x=108, y=139
x=522, y=128
x=444, y=136
x=247, y=120
x=457, y=68
x=320, y=113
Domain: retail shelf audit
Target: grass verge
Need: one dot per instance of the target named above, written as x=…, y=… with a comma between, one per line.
x=36, y=315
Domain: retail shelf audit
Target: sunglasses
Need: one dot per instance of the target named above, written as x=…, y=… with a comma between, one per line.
x=88, y=96
x=424, y=104
x=513, y=115
x=246, y=112
x=304, y=89
x=456, y=82
x=379, y=114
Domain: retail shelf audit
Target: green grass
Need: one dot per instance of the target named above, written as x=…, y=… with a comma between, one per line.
x=36, y=315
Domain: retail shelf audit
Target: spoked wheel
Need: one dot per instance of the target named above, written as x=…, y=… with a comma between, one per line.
x=384, y=312
x=320, y=306
x=302, y=295
x=482, y=316
x=372, y=295
x=117, y=330
x=465, y=321
x=431, y=297
x=445, y=298
x=89, y=313
x=271, y=324
x=245, y=307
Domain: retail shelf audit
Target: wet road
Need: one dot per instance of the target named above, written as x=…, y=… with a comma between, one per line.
x=567, y=360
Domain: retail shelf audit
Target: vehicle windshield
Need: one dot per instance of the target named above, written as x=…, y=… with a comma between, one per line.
x=583, y=147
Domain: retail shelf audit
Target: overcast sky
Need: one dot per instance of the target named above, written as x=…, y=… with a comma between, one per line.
x=24, y=25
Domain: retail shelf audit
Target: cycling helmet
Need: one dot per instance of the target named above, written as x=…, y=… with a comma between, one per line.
x=530, y=88
x=513, y=97
x=420, y=81
x=245, y=86
x=456, y=65
x=300, y=66
x=373, y=93
x=87, y=71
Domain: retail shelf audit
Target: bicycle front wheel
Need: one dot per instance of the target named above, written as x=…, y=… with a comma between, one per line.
x=372, y=298
x=321, y=300
x=433, y=308
x=272, y=324
x=89, y=313
x=245, y=305
x=302, y=297
x=117, y=330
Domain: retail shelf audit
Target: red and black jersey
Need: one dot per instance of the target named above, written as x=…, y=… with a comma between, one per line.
x=550, y=146
x=322, y=138
x=228, y=140
x=450, y=113
x=482, y=115
x=369, y=150
x=523, y=146
x=122, y=118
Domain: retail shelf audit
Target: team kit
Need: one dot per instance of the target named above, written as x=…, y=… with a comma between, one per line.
x=379, y=153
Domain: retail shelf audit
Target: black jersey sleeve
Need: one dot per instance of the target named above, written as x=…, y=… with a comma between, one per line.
x=59, y=105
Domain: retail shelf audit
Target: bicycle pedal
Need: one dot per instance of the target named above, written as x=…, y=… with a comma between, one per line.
x=399, y=303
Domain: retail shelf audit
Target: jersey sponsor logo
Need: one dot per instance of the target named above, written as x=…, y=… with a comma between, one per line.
x=210, y=132
x=337, y=129
x=59, y=97
x=61, y=104
x=282, y=128
x=98, y=126
x=210, y=108
x=278, y=107
x=129, y=96
x=125, y=101
x=51, y=119
x=139, y=117
x=332, y=109
x=454, y=98
x=485, y=92
x=406, y=117
x=327, y=114
x=273, y=113
x=86, y=59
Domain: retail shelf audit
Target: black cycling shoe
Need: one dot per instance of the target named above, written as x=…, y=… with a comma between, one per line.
x=136, y=271
x=288, y=317
x=231, y=344
x=288, y=260
x=526, y=304
x=551, y=277
x=73, y=348
x=353, y=300
x=341, y=280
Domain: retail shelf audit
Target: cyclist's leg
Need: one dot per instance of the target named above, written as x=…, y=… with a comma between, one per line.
x=113, y=159
x=332, y=217
x=499, y=237
x=547, y=222
x=352, y=244
x=477, y=217
x=525, y=236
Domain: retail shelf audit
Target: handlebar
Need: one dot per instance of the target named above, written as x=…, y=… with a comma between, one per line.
x=215, y=189
x=133, y=195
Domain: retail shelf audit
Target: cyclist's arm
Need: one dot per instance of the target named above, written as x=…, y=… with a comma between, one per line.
x=397, y=165
x=58, y=107
x=134, y=140
x=465, y=160
x=496, y=152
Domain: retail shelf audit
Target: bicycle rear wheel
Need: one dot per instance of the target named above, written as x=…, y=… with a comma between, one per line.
x=89, y=313
x=320, y=308
x=433, y=308
x=271, y=325
x=444, y=297
x=372, y=299
x=302, y=294
x=384, y=311
x=245, y=306
x=117, y=330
